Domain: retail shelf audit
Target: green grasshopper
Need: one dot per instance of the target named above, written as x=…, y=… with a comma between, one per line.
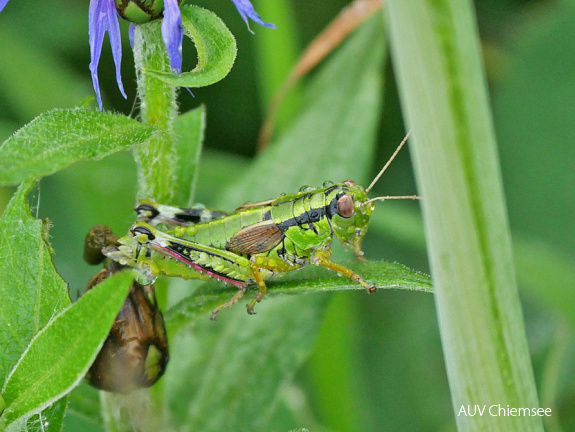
x=257, y=241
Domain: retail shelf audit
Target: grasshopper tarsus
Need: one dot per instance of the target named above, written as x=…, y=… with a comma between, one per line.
x=372, y=289
x=237, y=296
x=360, y=257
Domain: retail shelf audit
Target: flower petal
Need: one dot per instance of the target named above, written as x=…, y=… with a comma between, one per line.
x=172, y=33
x=246, y=10
x=96, y=31
x=2, y=4
x=131, y=31
x=103, y=17
x=115, y=42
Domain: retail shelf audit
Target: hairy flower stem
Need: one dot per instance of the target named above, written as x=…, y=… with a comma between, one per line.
x=156, y=160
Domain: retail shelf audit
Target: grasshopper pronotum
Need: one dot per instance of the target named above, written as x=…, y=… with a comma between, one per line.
x=254, y=243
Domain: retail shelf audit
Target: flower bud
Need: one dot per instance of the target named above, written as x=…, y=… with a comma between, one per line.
x=135, y=354
x=99, y=237
x=140, y=11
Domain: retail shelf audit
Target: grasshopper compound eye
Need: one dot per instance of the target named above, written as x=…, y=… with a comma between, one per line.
x=147, y=210
x=144, y=231
x=345, y=207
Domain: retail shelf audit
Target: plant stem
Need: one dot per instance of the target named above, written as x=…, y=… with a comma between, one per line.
x=444, y=97
x=156, y=159
x=156, y=162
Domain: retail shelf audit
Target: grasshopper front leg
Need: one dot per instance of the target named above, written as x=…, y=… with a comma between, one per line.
x=321, y=258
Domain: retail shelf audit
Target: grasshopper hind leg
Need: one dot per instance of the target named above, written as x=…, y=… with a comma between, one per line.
x=257, y=264
x=236, y=298
x=275, y=265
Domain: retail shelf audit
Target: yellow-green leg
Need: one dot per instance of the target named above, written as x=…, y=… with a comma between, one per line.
x=236, y=298
x=268, y=263
x=322, y=259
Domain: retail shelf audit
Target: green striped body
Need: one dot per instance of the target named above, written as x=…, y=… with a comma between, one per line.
x=308, y=220
x=155, y=253
x=218, y=232
x=256, y=242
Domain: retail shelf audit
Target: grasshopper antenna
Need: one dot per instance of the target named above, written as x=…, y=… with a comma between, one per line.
x=387, y=164
x=400, y=197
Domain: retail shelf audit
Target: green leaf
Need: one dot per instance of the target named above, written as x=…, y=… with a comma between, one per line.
x=311, y=280
x=229, y=377
x=34, y=289
x=445, y=101
x=31, y=290
x=50, y=419
x=59, y=138
x=61, y=353
x=333, y=136
x=216, y=48
x=189, y=129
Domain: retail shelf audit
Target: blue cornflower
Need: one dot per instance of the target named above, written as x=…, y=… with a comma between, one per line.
x=103, y=17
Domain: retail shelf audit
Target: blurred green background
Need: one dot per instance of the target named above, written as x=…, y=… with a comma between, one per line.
x=377, y=363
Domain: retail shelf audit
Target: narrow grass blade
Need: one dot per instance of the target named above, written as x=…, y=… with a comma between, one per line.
x=442, y=87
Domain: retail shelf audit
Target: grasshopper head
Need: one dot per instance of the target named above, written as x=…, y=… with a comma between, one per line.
x=350, y=210
x=132, y=249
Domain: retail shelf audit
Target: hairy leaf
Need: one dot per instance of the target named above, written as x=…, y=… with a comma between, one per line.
x=32, y=292
x=61, y=353
x=59, y=138
x=311, y=280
